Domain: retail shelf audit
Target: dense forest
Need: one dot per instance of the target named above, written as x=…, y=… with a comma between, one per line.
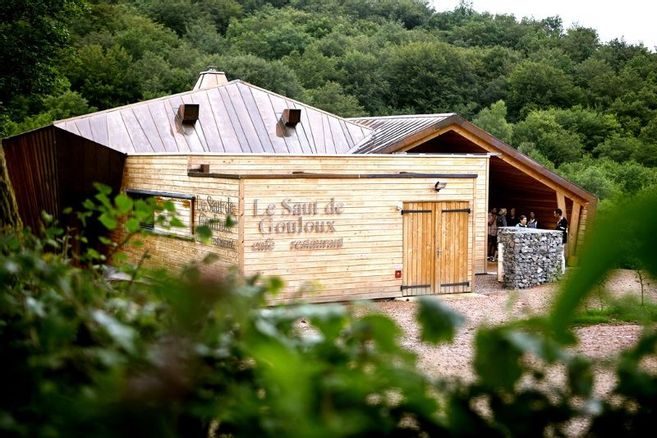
x=583, y=107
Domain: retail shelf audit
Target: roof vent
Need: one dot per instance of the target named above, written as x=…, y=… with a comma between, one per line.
x=188, y=113
x=211, y=78
x=290, y=117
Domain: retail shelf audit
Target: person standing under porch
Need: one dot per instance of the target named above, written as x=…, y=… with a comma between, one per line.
x=492, y=235
x=532, y=222
x=562, y=225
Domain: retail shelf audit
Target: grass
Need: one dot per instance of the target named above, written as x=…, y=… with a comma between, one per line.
x=609, y=310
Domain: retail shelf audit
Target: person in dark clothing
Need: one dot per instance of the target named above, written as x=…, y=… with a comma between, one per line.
x=532, y=222
x=501, y=218
x=562, y=224
x=512, y=219
x=492, y=235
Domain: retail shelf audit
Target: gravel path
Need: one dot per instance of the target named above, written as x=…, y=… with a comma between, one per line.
x=492, y=305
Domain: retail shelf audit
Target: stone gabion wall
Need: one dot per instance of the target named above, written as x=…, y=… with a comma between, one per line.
x=530, y=256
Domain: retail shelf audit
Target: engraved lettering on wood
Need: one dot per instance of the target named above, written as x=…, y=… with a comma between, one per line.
x=291, y=217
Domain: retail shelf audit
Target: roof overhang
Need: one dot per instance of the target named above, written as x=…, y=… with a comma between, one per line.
x=491, y=145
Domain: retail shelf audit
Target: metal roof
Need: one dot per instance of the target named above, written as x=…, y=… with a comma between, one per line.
x=235, y=117
x=390, y=130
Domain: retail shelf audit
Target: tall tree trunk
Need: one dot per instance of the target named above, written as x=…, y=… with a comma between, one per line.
x=8, y=210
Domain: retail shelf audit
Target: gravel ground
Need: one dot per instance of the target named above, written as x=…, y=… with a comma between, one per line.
x=491, y=305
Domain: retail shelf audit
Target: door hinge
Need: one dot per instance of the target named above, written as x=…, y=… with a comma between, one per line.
x=464, y=283
x=458, y=210
x=418, y=286
x=415, y=211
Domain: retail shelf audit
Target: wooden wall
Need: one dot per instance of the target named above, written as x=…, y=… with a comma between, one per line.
x=51, y=169
x=359, y=258
x=168, y=174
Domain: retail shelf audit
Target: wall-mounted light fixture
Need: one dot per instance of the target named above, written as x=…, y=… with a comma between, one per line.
x=439, y=186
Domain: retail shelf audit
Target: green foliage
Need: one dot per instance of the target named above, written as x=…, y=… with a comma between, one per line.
x=429, y=77
x=535, y=85
x=438, y=323
x=31, y=33
x=628, y=309
x=559, y=95
x=272, y=75
x=555, y=142
x=182, y=353
x=331, y=97
x=493, y=120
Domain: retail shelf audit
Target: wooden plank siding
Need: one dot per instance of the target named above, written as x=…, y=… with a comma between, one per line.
x=369, y=224
x=169, y=173
x=52, y=169
x=264, y=164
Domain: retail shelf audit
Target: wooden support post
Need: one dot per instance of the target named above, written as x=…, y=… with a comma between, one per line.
x=561, y=203
x=573, y=226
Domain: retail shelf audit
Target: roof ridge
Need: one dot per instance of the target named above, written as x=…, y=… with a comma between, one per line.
x=403, y=116
x=346, y=119
x=142, y=102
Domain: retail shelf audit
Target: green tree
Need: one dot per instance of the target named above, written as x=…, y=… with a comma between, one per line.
x=103, y=77
x=493, y=120
x=68, y=104
x=618, y=148
x=271, y=33
x=9, y=217
x=271, y=75
x=332, y=98
x=534, y=85
x=592, y=127
x=429, y=77
x=580, y=43
x=591, y=177
x=31, y=34
x=551, y=139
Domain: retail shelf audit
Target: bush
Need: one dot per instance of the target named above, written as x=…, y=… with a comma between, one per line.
x=183, y=354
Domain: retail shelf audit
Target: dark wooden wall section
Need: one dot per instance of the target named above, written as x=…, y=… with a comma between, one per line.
x=510, y=187
x=32, y=167
x=51, y=169
x=83, y=162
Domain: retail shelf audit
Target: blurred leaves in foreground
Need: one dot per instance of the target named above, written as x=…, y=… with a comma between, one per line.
x=183, y=354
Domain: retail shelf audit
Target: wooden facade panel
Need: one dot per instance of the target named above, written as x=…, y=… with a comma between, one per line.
x=456, y=189
x=349, y=241
x=368, y=227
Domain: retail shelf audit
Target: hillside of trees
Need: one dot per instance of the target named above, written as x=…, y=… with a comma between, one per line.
x=585, y=108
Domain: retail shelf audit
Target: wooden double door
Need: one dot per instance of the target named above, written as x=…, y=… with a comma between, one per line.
x=436, y=258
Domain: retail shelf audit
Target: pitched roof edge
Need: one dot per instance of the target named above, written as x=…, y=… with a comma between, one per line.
x=142, y=102
x=510, y=150
x=456, y=119
x=347, y=120
x=403, y=116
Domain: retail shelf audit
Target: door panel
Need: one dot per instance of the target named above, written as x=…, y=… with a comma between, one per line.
x=453, y=254
x=418, y=257
x=435, y=248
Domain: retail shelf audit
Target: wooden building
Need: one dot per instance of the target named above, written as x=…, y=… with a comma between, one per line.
x=340, y=208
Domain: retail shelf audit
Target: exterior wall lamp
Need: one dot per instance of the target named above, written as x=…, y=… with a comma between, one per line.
x=439, y=186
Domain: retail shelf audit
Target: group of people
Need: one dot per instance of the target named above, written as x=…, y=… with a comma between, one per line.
x=499, y=218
